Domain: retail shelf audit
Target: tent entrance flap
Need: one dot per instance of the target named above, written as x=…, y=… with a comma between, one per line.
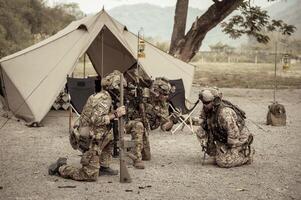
x=107, y=53
x=80, y=89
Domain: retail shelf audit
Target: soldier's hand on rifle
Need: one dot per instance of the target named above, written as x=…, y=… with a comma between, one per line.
x=120, y=111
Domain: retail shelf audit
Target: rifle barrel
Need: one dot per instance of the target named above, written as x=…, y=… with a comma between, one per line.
x=124, y=174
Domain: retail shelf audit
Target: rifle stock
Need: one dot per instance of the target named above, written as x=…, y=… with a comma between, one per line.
x=124, y=174
x=115, y=139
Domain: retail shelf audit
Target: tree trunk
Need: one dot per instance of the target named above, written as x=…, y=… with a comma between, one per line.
x=187, y=47
x=179, y=24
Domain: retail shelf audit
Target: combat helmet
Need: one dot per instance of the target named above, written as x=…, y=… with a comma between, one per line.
x=112, y=81
x=209, y=94
x=162, y=86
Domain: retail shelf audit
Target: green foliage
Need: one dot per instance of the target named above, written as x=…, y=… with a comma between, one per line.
x=255, y=22
x=23, y=22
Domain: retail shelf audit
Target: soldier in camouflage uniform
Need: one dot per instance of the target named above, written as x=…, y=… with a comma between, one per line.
x=157, y=108
x=137, y=124
x=93, y=135
x=223, y=133
x=149, y=112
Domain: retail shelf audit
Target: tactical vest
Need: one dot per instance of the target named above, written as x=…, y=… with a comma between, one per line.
x=154, y=120
x=218, y=132
x=132, y=105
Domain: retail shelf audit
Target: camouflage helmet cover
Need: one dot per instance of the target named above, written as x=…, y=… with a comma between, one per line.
x=209, y=94
x=162, y=85
x=112, y=81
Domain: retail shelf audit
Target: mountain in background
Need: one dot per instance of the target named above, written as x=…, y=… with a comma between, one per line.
x=157, y=22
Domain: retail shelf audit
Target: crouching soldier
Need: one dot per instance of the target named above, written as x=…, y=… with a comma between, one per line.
x=157, y=108
x=150, y=112
x=223, y=133
x=137, y=124
x=93, y=135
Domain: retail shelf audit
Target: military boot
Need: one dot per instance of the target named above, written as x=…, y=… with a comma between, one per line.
x=53, y=169
x=107, y=171
x=138, y=164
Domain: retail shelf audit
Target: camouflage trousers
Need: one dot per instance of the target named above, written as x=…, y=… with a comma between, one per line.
x=141, y=139
x=224, y=156
x=91, y=161
x=233, y=157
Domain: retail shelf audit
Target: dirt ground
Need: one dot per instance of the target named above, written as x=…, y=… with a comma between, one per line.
x=175, y=171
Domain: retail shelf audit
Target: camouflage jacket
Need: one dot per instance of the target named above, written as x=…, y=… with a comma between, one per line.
x=157, y=112
x=95, y=113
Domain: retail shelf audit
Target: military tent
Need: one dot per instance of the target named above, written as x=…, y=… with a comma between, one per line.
x=31, y=79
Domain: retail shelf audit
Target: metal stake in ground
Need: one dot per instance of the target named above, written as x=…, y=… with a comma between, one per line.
x=275, y=74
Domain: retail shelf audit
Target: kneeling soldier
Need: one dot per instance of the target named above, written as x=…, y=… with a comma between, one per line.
x=223, y=133
x=93, y=135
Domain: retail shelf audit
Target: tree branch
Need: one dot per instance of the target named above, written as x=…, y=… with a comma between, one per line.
x=179, y=24
x=192, y=41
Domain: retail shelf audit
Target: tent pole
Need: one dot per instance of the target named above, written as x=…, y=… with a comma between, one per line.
x=102, y=56
x=84, y=65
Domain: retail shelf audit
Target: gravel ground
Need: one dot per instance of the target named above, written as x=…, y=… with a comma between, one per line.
x=175, y=171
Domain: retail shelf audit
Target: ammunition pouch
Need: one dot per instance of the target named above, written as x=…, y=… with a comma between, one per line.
x=80, y=138
x=84, y=141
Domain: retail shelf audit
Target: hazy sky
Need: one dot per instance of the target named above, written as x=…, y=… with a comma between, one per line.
x=92, y=6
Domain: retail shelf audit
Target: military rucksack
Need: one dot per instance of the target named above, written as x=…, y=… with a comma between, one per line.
x=276, y=115
x=218, y=132
x=241, y=115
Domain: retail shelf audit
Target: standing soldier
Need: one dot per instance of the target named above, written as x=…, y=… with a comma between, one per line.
x=93, y=135
x=149, y=112
x=223, y=133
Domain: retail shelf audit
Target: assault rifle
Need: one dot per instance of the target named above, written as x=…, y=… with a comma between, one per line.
x=208, y=147
x=124, y=174
x=139, y=96
x=115, y=139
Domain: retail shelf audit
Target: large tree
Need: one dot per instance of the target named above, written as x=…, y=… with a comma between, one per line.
x=250, y=20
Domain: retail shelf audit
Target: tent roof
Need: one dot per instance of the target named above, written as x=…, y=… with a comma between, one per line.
x=32, y=78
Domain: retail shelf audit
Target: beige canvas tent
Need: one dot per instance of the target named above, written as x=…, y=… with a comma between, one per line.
x=31, y=79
